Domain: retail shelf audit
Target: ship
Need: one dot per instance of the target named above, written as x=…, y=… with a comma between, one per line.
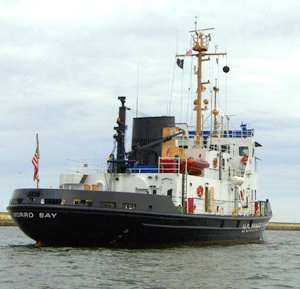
x=177, y=185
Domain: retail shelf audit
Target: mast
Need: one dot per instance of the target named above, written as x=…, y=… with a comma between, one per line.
x=120, y=135
x=200, y=45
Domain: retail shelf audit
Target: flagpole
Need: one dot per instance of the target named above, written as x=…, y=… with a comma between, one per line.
x=38, y=153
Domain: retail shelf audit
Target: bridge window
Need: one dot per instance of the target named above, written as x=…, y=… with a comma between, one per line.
x=243, y=151
x=225, y=148
x=214, y=147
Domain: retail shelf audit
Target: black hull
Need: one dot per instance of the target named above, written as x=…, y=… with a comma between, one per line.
x=57, y=217
x=67, y=226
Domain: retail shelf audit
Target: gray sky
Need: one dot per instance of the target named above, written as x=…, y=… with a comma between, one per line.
x=63, y=64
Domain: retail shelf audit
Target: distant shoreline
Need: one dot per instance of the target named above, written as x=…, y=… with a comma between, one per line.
x=6, y=220
x=283, y=226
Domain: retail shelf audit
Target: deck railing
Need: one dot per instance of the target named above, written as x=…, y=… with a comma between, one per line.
x=165, y=165
x=87, y=165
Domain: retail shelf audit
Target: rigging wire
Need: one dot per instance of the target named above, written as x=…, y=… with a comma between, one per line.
x=137, y=112
x=137, y=86
x=186, y=93
x=226, y=89
x=171, y=93
x=190, y=103
x=226, y=78
x=181, y=97
x=211, y=69
x=172, y=86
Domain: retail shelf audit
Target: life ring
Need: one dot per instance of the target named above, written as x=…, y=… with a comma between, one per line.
x=200, y=191
x=215, y=162
x=244, y=160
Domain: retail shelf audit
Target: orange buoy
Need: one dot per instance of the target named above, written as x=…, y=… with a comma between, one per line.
x=200, y=191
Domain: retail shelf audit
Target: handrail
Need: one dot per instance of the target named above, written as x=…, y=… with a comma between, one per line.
x=86, y=165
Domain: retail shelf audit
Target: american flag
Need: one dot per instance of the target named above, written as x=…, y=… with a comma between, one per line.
x=189, y=52
x=35, y=161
